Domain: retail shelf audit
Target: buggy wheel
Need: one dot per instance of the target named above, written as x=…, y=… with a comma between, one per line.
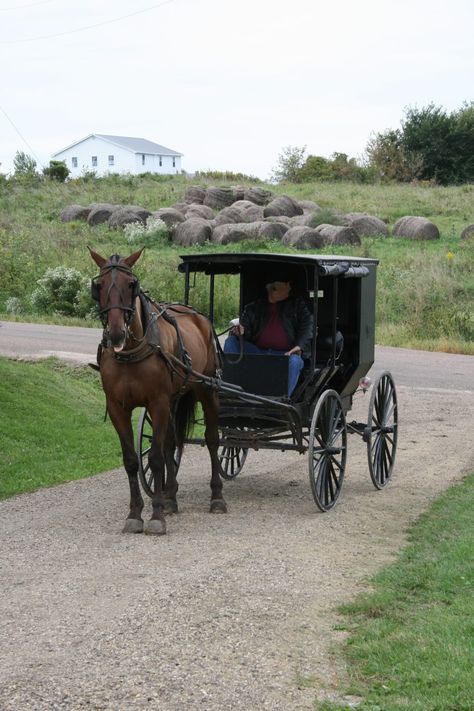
x=143, y=446
x=232, y=460
x=327, y=450
x=382, y=429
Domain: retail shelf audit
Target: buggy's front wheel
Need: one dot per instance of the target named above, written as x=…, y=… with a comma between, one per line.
x=382, y=430
x=143, y=446
x=327, y=450
x=232, y=460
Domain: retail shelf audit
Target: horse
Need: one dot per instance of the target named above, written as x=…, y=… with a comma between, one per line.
x=152, y=355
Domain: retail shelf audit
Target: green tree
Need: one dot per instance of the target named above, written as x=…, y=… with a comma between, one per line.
x=24, y=165
x=57, y=170
x=289, y=164
x=389, y=159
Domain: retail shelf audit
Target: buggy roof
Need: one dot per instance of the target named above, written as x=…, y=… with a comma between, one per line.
x=232, y=263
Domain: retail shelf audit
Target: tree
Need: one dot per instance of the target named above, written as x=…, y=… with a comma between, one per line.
x=289, y=164
x=24, y=165
x=390, y=160
x=57, y=170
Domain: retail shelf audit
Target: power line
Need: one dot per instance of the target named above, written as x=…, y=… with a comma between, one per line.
x=30, y=4
x=18, y=132
x=88, y=27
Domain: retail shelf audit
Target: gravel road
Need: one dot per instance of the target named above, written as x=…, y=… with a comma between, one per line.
x=225, y=612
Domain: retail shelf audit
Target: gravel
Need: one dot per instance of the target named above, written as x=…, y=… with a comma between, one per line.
x=225, y=612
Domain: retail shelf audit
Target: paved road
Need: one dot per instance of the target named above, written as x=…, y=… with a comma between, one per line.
x=418, y=369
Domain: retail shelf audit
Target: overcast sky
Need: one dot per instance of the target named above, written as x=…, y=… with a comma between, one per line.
x=228, y=84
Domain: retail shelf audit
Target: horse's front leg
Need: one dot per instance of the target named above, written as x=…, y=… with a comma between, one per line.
x=210, y=406
x=159, y=414
x=122, y=421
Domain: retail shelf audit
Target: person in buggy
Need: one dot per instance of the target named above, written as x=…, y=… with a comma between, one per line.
x=276, y=325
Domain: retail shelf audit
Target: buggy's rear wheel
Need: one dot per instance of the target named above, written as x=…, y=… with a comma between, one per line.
x=382, y=430
x=232, y=460
x=143, y=446
x=327, y=450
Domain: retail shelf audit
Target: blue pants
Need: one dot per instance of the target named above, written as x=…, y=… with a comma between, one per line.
x=295, y=361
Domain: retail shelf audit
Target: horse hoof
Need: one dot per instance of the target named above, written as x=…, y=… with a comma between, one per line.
x=155, y=527
x=170, y=507
x=133, y=525
x=218, y=506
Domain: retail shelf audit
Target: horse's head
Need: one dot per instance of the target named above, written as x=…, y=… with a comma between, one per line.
x=115, y=289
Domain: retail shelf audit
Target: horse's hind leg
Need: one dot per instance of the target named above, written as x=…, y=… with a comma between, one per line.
x=210, y=407
x=122, y=422
x=171, y=486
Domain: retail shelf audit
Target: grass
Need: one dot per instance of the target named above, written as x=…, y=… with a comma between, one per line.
x=52, y=426
x=425, y=289
x=411, y=643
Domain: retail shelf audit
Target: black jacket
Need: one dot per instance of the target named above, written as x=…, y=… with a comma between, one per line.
x=295, y=316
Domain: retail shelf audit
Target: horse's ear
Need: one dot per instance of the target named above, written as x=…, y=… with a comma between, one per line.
x=100, y=261
x=130, y=261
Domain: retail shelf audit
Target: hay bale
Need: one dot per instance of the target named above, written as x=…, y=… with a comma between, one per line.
x=219, y=198
x=309, y=206
x=303, y=237
x=192, y=231
x=238, y=232
x=416, y=228
x=74, y=212
x=283, y=205
x=170, y=216
x=368, y=226
x=239, y=192
x=100, y=212
x=194, y=194
x=334, y=234
x=125, y=215
x=240, y=211
x=203, y=211
x=279, y=219
x=306, y=220
x=180, y=206
x=259, y=196
x=468, y=232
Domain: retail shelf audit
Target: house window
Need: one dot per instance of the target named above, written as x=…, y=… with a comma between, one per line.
x=174, y=162
x=94, y=161
x=74, y=162
x=143, y=159
x=161, y=161
x=111, y=160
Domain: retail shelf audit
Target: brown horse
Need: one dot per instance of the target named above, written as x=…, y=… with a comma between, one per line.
x=149, y=357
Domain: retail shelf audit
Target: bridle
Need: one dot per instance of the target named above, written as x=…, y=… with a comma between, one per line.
x=112, y=269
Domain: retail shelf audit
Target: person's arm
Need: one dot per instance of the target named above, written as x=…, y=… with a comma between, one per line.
x=304, y=326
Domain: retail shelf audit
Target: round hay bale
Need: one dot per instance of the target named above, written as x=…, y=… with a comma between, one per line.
x=141, y=211
x=416, y=228
x=334, y=234
x=259, y=196
x=302, y=237
x=170, y=216
x=124, y=216
x=203, y=211
x=239, y=191
x=306, y=220
x=369, y=226
x=283, y=205
x=279, y=219
x=468, y=232
x=180, y=206
x=194, y=194
x=100, y=212
x=74, y=212
x=309, y=206
x=240, y=211
x=238, y=232
x=192, y=231
x=218, y=198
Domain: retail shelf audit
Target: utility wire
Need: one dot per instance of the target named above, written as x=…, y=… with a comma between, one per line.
x=88, y=27
x=22, y=137
x=30, y=4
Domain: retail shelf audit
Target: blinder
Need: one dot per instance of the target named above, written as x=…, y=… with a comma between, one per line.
x=134, y=287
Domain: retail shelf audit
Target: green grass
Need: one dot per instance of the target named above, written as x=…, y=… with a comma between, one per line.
x=424, y=298
x=412, y=640
x=52, y=426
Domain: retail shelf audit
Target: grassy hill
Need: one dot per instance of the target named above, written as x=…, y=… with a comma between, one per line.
x=425, y=289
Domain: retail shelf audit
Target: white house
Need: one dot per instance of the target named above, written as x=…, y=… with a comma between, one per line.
x=118, y=154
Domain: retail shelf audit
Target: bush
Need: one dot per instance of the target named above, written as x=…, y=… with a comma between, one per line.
x=63, y=290
x=154, y=232
x=13, y=305
x=57, y=170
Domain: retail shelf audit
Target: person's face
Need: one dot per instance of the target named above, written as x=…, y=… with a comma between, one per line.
x=278, y=291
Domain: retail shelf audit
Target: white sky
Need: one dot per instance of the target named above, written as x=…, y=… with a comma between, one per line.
x=228, y=84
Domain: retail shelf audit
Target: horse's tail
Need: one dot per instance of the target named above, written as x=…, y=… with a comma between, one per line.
x=184, y=416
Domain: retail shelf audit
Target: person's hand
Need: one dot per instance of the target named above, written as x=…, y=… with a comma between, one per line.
x=238, y=330
x=295, y=349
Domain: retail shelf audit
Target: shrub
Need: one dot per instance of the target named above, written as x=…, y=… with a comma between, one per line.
x=57, y=170
x=13, y=305
x=154, y=232
x=62, y=290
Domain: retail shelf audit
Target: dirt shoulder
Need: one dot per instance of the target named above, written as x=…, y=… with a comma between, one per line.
x=225, y=612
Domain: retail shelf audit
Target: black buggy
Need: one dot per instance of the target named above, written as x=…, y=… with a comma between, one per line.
x=255, y=412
